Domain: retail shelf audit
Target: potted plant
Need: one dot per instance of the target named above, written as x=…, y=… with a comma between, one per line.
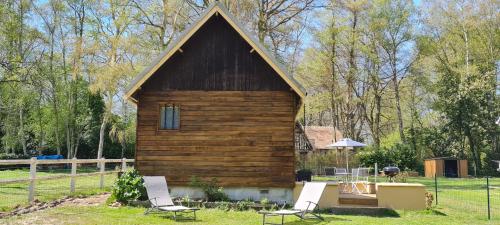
x=304, y=175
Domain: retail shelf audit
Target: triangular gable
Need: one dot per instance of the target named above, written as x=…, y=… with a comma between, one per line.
x=215, y=8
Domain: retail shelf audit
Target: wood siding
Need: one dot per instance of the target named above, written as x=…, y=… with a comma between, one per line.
x=437, y=167
x=216, y=57
x=463, y=170
x=242, y=138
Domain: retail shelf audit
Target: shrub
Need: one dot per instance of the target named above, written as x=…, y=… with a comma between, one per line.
x=244, y=205
x=129, y=187
x=13, y=156
x=429, y=198
x=400, y=155
x=212, y=191
x=225, y=206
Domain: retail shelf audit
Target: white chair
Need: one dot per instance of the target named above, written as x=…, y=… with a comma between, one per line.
x=156, y=187
x=306, y=203
x=360, y=176
x=342, y=175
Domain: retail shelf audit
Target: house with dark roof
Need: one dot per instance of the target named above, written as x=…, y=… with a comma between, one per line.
x=217, y=104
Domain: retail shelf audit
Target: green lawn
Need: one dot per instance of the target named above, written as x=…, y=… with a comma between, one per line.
x=130, y=215
x=15, y=194
x=457, y=196
x=461, y=201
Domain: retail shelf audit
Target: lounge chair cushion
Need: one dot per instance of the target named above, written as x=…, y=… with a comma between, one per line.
x=285, y=212
x=311, y=192
x=174, y=208
x=157, y=189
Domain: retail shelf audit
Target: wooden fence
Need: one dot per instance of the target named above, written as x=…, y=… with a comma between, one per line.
x=33, y=162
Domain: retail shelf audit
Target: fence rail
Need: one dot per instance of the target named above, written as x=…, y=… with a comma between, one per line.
x=33, y=178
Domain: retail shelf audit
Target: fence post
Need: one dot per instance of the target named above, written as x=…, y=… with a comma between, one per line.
x=124, y=165
x=73, y=175
x=101, y=182
x=488, y=193
x=436, y=187
x=31, y=189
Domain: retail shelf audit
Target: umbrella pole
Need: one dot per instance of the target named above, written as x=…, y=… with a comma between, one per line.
x=347, y=158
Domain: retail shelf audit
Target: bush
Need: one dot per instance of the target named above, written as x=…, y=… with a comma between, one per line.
x=429, y=198
x=244, y=205
x=400, y=155
x=212, y=191
x=129, y=187
x=5, y=156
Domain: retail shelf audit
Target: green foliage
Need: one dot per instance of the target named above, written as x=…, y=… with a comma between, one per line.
x=213, y=192
x=264, y=201
x=225, y=206
x=400, y=155
x=129, y=187
x=186, y=200
x=4, y=156
x=244, y=205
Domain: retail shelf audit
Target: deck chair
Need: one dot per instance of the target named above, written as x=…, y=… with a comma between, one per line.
x=308, y=201
x=360, y=176
x=159, y=197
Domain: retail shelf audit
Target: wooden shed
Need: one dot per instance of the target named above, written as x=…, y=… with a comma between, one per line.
x=216, y=104
x=446, y=166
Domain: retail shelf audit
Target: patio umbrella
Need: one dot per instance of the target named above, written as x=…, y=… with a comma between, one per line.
x=345, y=143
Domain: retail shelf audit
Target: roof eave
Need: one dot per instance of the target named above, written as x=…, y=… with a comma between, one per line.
x=215, y=7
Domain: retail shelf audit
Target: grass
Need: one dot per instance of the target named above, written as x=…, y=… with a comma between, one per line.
x=459, y=196
x=130, y=215
x=15, y=194
x=461, y=201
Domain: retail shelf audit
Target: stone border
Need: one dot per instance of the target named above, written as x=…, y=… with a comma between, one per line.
x=37, y=205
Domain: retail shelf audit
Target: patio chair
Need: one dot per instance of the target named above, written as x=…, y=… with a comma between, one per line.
x=360, y=176
x=342, y=176
x=159, y=197
x=306, y=204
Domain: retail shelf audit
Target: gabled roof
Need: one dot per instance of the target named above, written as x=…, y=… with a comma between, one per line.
x=320, y=137
x=215, y=8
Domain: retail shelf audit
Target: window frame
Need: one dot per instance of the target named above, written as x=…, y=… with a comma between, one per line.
x=158, y=124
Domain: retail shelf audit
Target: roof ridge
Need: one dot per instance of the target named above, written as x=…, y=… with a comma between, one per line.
x=180, y=40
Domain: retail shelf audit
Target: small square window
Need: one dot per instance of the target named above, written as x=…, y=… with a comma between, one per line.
x=169, y=117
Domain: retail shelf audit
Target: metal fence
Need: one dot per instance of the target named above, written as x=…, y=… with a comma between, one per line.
x=480, y=197
x=22, y=181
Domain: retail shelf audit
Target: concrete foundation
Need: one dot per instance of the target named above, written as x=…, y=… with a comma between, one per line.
x=240, y=193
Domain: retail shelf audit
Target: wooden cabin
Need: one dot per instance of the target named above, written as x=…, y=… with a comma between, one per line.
x=216, y=104
x=446, y=167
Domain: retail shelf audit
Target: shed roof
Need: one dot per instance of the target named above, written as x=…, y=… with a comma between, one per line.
x=444, y=158
x=321, y=136
x=216, y=9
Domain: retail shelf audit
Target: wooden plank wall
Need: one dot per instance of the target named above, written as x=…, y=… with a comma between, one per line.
x=463, y=171
x=430, y=168
x=217, y=58
x=244, y=139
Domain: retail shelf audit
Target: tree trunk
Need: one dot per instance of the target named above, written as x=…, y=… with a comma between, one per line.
x=398, y=107
x=101, y=135
x=474, y=150
x=21, y=131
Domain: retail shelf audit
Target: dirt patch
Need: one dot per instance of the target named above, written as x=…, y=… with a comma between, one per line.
x=66, y=201
x=93, y=200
